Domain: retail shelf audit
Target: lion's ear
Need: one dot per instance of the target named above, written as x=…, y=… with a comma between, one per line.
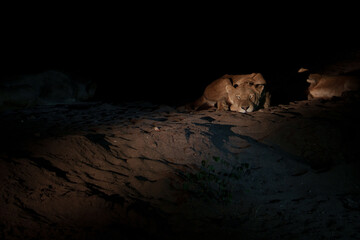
x=259, y=88
x=311, y=80
x=301, y=70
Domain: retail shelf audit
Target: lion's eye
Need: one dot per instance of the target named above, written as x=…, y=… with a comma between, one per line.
x=251, y=96
x=238, y=96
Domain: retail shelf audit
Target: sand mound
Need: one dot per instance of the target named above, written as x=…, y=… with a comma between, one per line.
x=136, y=170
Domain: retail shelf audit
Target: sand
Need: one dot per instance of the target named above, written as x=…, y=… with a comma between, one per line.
x=139, y=170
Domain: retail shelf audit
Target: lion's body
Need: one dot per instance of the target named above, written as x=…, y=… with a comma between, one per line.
x=215, y=94
x=327, y=86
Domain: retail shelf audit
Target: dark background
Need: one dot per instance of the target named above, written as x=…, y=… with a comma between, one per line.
x=169, y=56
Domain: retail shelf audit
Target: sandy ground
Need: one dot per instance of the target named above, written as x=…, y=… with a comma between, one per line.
x=139, y=170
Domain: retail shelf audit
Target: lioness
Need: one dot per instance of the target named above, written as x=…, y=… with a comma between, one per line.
x=223, y=94
x=254, y=81
x=327, y=86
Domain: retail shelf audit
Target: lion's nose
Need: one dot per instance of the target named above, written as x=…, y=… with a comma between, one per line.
x=245, y=107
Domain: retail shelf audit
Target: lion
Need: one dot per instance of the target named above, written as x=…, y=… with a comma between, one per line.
x=328, y=86
x=256, y=82
x=225, y=96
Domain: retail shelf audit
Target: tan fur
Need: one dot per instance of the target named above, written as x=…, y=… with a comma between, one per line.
x=216, y=93
x=245, y=99
x=242, y=98
x=327, y=86
x=256, y=82
x=301, y=70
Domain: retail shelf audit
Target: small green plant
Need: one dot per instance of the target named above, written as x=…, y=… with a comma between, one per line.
x=214, y=180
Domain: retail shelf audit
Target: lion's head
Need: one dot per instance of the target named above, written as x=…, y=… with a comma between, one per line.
x=256, y=83
x=243, y=99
